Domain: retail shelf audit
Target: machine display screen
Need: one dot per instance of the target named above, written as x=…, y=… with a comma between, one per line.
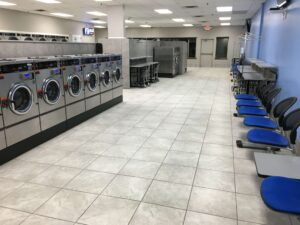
x=88, y=60
x=45, y=65
x=104, y=59
x=14, y=68
x=70, y=62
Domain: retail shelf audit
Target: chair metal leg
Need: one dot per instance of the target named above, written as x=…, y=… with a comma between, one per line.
x=241, y=144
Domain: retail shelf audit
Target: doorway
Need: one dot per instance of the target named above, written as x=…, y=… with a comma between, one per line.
x=207, y=52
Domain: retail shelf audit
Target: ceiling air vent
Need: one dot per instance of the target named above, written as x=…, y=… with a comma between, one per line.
x=40, y=10
x=190, y=6
x=199, y=16
x=240, y=12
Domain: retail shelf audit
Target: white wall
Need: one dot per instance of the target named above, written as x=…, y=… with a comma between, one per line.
x=13, y=20
x=232, y=32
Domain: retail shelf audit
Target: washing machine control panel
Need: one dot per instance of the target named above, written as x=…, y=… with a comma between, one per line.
x=26, y=76
x=55, y=72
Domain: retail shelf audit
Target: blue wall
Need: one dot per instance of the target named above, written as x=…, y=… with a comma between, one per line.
x=280, y=44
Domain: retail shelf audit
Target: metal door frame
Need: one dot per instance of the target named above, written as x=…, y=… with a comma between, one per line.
x=212, y=53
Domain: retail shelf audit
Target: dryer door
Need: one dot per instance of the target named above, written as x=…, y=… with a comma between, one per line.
x=51, y=91
x=91, y=81
x=75, y=85
x=20, y=99
x=106, y=78
x=117, y=75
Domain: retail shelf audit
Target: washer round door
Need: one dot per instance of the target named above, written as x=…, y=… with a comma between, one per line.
x=91, y=81
x=75, y=85
x=51, y=91
x=105, y=78
x=20, y=99
x=117, y=75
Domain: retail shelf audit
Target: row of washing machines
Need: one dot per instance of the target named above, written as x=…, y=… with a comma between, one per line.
x=41, y=92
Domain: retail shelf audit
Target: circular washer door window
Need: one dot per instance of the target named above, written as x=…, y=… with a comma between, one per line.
x=74, y=85
x=106, y=78
x=117, y=74
x=20, y=99
x=51, y=91
x=92, y=81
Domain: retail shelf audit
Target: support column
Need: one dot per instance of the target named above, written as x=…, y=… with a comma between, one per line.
x=115, y=22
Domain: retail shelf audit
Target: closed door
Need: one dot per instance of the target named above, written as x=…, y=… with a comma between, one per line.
x=207, y=52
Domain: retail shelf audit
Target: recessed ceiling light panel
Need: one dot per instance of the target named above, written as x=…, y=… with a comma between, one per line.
x=225, y=24
x=96, y=13
x=49, y=1
x=163, y=11
x=61, y=14
x=178, y=20
x=129, y=21
x=224, y=9
x=225, y=18
x=188, y=25
x=100, y=27
x=103, y=0
x=145, y=25
x=98, y=21
x=2, y=3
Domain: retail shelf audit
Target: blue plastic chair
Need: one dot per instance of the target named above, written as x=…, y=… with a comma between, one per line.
x=281, y=194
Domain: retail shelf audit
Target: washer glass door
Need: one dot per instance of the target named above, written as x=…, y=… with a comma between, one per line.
x=75, y=85
x=117, y=75
x=105, y=78
x=20, y=99
x=51, y=91
x=91, y=79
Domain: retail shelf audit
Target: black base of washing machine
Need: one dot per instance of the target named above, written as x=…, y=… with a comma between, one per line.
x=19, y=148
x=167, y=75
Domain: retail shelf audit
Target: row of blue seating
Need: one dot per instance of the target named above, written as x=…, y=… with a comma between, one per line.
x=274, y=128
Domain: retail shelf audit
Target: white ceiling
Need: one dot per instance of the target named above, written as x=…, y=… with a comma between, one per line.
x=142, y=11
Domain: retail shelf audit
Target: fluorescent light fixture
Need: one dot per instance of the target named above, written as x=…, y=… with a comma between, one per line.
x=61, y=14
x=163, y=11
x=2, y=3
x=96, y=13
x=129, y=21
x=224, y=9
x=145, y=25
x=49, y=1
x=225, y=18
x=116, y=37
x=178, y=20
x=100, y=27
x=188, y=25
x=225, y=24
x=103, y=0
x=282, y=4
x=98, y=21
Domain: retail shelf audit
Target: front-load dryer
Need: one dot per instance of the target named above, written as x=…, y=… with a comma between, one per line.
x=2, y=134
x=105, y=71
x=19, y=100
x=73, y=85
x=90, y=71
x=117, y=77
x=49, y=84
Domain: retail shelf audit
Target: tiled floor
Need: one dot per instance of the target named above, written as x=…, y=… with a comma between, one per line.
x=165, y=156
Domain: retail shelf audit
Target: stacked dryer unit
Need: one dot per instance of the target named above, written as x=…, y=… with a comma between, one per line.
x=71, y=71
x=90, y=69
x=50, y=90
x=117, y=78
x=19, y=100
x=105, y=68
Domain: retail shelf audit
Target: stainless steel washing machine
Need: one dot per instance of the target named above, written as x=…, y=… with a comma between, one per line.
x=73, y=85
x=90, y=71
x=19, y=100
x=105, y=68
x=117, y=77
x=50, y=91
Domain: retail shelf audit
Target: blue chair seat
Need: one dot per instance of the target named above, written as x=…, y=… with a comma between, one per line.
x=246, y=97
x=258, y=121
x=252, y=111
x=250, y=103
x=267, y=137
x=281, y=194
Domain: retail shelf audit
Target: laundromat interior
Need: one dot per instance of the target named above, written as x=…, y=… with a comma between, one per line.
x=162, y=112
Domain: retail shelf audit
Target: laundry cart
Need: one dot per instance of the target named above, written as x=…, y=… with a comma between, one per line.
x=140, y=75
